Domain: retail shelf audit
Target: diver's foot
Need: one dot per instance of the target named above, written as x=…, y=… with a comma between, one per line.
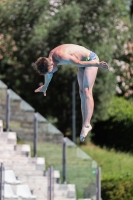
x=84, y=132
x=82, y=138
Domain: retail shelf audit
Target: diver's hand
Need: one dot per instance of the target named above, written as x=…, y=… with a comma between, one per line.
x=103, y=65
x=41, y=89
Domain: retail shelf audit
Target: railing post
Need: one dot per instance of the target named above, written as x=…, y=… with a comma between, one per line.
x=7, y=110
x=35, y=134
x=98, y=184
x=64, y=161
x=1, y=181
x=50, y=192
x=74, y=109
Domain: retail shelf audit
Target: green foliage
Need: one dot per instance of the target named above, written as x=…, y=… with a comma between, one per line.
x=117, y=189
x=124, y=71
x=105, y=86
x=116, y=131
x=114, y=165
x=65, y=25
x=123, y=65
x=121, y=110
x=32, y=28
x=116, y=171
x=100, y=21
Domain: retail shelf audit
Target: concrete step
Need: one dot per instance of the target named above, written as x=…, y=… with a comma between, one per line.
x=65, y=190
x=30, y=163
x=20, y=167
x=39, y=191
x=28, y=167
x=24, y=150
x=7, y=154
x=4, y=147
x=10, y=150
x=63, y=198
x=84, y=199
x=43, y=198
x=8, y=137
x=28, y=172
x=39, y=162
x=39, y=186
x=16, y=158
x=33, y=179
x=37, y=183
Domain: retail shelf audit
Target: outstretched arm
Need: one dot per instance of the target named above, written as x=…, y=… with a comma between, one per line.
x=44, y=87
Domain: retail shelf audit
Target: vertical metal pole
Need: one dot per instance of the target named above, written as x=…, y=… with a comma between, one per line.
x=74, y=109
x=50, y=193
x=1, y=181
x=35, y=134
x=64, y=161
x=52, y=182
x=3, y=178
x=7, y=110
x=50, y=188
x=98, y=184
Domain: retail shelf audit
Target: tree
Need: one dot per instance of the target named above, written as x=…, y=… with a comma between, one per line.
x=35, y=27
x=116, y=131
x=124, y=72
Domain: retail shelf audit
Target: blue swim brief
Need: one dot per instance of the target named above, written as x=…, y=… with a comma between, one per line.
x=92, y=56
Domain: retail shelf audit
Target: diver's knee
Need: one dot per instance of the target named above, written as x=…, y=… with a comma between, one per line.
x=88, y=92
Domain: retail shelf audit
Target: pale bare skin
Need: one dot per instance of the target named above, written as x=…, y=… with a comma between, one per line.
x=74, y=55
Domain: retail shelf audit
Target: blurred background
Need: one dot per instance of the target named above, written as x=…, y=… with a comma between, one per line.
x=30, y=29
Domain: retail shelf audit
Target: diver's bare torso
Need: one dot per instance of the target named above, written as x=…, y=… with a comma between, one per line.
x=60, y=55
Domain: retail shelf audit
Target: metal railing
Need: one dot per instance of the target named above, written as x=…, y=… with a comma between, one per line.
x=98, y=183
x=50, y=192
x=75, y=166
x=7, y=110
x=1, y=181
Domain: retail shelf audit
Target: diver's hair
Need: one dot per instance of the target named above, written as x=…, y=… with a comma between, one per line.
x=42, y=65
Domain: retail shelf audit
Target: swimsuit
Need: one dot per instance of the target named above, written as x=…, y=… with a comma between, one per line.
x=92, y=56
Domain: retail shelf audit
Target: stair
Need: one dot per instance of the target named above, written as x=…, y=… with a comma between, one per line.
x=30, y=172
x=22, y=118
